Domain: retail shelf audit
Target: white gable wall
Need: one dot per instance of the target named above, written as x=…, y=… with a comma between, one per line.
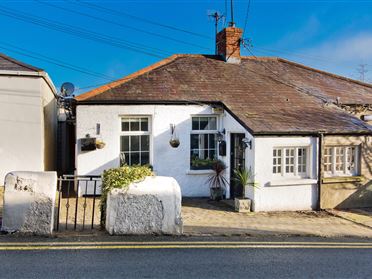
x=21, y=123
x=283, y=193
x=166, y=160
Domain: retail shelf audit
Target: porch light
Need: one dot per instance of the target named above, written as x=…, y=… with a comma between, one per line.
x=247, y=143
x=221, y=135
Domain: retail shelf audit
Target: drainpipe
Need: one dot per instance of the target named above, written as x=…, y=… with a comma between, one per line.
x=320, y=166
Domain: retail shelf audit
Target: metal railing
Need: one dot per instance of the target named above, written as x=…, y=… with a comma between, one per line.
x=77, y=193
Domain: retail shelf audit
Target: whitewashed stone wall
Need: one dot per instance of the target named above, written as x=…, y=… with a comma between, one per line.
x=147, y=207
x=29, y=200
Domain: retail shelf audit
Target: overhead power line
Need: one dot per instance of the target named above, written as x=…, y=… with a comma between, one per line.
x=120, y=24
x=121, y=13
x=246, y=17
x=84, y=33
x=60, y=63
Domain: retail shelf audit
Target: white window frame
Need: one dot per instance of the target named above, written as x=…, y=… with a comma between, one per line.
x=200, y=132
x=344, y=171
x=136, y=133
x=296, y=173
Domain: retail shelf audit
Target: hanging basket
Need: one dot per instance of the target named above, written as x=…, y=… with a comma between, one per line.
x=100, y=144
x=174, y=143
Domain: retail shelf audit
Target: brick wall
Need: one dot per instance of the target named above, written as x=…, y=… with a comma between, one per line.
x=228, y=43
x=349, y=192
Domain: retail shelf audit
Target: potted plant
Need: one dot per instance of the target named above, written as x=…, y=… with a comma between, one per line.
x=174, y=142
x=217, y=181
x=245, y=178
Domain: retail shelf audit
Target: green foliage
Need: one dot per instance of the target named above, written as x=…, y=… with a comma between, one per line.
x=245, y=178
x=196, y=162
x=121, y=178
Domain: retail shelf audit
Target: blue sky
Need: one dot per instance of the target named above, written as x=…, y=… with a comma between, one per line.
x=331, y=35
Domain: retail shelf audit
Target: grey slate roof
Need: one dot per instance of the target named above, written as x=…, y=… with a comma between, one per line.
x=10, y=64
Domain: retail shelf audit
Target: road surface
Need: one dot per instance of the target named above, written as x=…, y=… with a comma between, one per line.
x=203, y=258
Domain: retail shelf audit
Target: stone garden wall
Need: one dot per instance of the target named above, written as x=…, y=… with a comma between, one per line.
x=29, y=200
x=147, y=207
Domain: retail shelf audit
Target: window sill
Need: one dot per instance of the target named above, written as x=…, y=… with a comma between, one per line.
x=342, y=179
x=199, y=172
x=290, y=182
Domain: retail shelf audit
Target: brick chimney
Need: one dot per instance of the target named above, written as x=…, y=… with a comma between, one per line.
x=228, y=44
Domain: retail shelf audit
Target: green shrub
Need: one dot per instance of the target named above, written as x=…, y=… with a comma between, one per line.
x=121, y=178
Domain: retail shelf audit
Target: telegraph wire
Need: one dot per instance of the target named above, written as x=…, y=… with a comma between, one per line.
x=120, y=24
x=117, y=13
x=246, y=17
x=41, y=57
x=83, y=33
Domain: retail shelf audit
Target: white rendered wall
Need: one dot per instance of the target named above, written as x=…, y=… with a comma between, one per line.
x=167, y=161
x=21, y=123
x=279, y=193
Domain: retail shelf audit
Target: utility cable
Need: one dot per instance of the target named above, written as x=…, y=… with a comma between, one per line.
x=120, y=24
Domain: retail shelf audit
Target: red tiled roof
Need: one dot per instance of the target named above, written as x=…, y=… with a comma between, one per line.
x=267, y=95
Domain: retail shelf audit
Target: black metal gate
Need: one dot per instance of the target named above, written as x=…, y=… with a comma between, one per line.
x=79, y=205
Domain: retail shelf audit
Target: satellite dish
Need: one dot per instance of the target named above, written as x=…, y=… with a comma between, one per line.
x=67, y=89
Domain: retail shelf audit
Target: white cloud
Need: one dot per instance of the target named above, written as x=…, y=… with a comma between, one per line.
x=353, y=49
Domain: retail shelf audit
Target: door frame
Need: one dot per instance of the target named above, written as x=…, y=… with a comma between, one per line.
x=235, y=188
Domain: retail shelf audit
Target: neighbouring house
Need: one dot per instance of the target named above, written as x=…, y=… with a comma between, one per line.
x=27, y=118
x=291, y=125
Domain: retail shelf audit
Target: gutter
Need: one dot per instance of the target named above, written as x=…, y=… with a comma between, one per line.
x=40, y=74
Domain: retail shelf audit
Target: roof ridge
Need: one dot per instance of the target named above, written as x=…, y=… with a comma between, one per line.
x=33, y=68
x=103, y=88
x=323, y=72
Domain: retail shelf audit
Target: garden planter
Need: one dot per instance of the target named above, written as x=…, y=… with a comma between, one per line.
x=174, y=143
x=242, y=205
x=216, y=193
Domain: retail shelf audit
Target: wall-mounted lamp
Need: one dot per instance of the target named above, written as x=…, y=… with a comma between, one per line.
x=247, y=143
x=221, y=135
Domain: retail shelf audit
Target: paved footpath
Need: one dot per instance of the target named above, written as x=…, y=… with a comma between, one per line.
x=203, y=217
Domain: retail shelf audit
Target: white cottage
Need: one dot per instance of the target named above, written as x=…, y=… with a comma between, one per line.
x=265, y=114
x=27, y=118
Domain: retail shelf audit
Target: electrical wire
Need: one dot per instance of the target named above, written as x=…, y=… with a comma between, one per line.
x=117, y=13
x=83, y=33
x=120, y=24
x=246, y=17
x=41, y=57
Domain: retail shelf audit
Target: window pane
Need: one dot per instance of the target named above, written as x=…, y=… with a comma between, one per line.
x=277, y=160
x=194, y=141
x=144, y=124
x=135, y=124
x=145, y=158
x=340, y=156
x=134, y=141
x=212, y=123
x=145, y=143
x=203, y=123
x=212, y=141
x=301, y=160
x=134, y=158
x=327, y=159
x=195, y=123
x=125, y=125
x=212, y=154
x=124, y=158
x=124, y=145
x=289, y=160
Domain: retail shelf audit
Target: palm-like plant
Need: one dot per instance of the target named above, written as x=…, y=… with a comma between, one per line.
x=217, y=180
x=245, y=178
